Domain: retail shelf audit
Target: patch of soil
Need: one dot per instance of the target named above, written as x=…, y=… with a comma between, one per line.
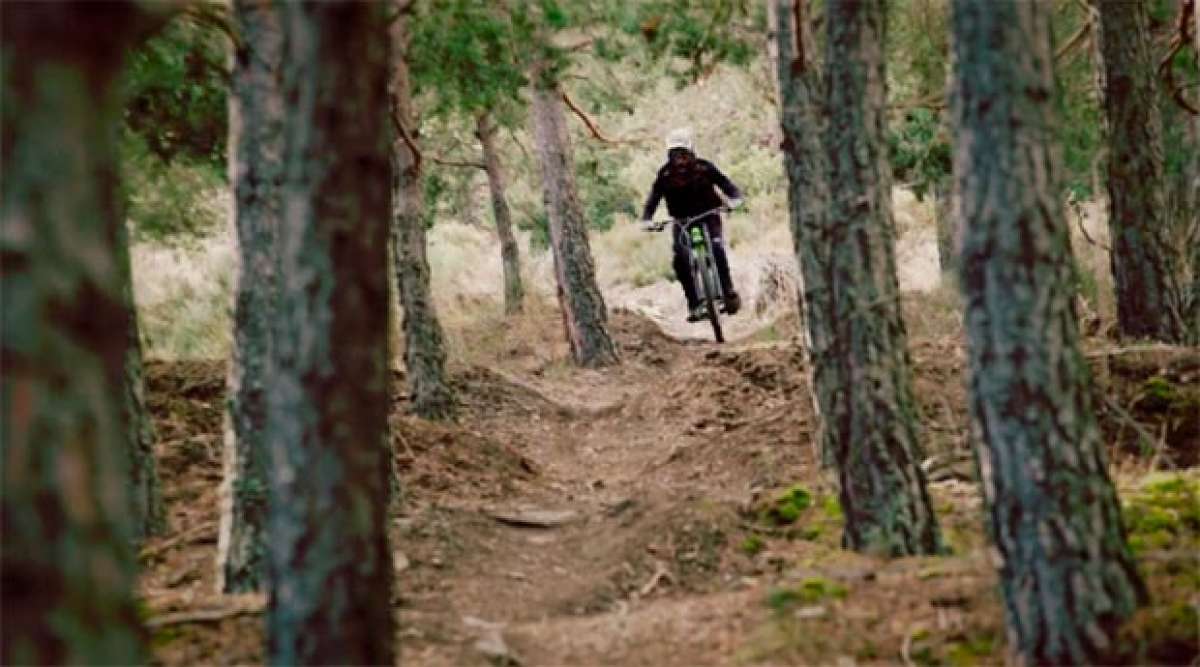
x=657, y=476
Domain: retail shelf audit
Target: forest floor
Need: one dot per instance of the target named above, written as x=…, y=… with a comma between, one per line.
x=669, y=511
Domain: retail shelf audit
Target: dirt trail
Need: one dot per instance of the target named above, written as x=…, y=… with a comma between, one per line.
x=626, y=516
x=649, y=465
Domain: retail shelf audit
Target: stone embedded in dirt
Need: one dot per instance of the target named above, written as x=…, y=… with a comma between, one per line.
x=400, y=561
x=490, y=641
x=534, y=518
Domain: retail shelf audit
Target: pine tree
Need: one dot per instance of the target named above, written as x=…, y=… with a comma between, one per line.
x=69, y=445
x=329, y=564
x=510, y=252
x=1066, y=571
x=256, y=171
x=808, y=199
x=873, y=415
x=1143, y=265
x=425, y=346
x=585, y=317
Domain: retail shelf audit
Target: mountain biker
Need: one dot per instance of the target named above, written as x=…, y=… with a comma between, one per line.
x=689, y=185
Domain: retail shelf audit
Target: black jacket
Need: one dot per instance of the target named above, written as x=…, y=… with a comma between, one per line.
x=689, y=193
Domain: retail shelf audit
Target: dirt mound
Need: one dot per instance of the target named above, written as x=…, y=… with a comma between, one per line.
x=433, y=460
x=639, y=340
x=484, y=392
x=733, y=417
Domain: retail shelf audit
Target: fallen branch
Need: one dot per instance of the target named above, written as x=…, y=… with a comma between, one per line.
x=203, y=615
x=660, y=573
x=186, y=537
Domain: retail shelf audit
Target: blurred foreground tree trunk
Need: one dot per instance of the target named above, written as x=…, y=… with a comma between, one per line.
x=149, y=513
x=329, y=564
x=510, y=252
x=1144, y=266
x=68, y=521
x=585, y=316
x=256, y=172
x=425, y=347
x=1066, y=571
x=807, y=168
x=873, y=416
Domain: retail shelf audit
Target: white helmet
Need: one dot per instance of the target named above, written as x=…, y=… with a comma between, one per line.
x=680, y=137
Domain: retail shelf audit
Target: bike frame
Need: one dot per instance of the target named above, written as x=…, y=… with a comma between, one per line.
x=703, y=265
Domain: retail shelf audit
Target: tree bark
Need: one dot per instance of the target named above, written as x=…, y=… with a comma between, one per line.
x=256, y=171
x=425, y=347
x=806, y=166
x=1143, y=265
x=66, y=557
x=585, y=317
x=873, y=416
x=328, y=559
x=510, y=253
x=149, y=514
x=947, y=232
x=1066, y=571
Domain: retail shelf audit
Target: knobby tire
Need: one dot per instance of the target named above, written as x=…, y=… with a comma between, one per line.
x=710, y=299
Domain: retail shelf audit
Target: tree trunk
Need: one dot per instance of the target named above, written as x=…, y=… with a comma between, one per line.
x=510, y=253
x=67, y=563
x=256, y=171
x=149, y=514
x=1065, y=570
x=1143, y=266
x=425, y=347
x=328, y=562
x=585, y=317
x=874, y=416
x=947, y=232
x=808, y=202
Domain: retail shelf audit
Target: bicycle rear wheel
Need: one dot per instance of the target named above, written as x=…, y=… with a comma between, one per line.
x=707, y=272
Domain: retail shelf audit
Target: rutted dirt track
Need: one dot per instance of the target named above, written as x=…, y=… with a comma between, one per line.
x=644, y=473
x=579, y=517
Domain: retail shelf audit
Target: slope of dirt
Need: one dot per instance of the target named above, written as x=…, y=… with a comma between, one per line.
x=666, y=511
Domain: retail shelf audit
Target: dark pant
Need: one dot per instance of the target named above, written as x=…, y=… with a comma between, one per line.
x=683, y=270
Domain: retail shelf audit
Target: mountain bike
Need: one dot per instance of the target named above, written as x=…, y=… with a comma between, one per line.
x=701, y=262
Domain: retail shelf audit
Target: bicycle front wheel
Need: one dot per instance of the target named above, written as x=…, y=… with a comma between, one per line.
x=707, y=273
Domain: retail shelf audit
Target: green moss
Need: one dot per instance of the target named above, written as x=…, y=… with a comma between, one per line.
x=782, y=599
x=1166, y=509
x=810, y=533
x=786, y=508
x=810, y=591
x=1157, y=393
x=815, y=589
x=752, y=545
x=832, y=508
x=971, y=651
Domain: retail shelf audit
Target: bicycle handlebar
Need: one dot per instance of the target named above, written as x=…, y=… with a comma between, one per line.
x=659, y=225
